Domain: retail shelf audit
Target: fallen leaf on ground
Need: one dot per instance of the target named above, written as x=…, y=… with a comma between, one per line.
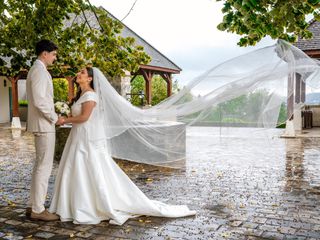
x=225, y=235
x=242, y=205
x=219, y=174
x=149, y=180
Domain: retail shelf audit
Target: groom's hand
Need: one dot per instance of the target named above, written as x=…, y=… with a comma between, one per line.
x=60, y=121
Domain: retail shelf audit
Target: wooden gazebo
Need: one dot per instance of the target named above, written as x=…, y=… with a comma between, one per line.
x=159, y=65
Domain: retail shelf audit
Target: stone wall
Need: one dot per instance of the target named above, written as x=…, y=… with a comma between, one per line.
x=121, y=84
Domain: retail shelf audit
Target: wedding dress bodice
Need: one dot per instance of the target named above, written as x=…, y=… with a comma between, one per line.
x=77, y=106
x=94, y=125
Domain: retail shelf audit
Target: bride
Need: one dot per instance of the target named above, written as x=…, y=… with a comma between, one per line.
x=90, y=187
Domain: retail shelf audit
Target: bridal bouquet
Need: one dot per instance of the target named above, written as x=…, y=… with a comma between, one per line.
x=62, y=108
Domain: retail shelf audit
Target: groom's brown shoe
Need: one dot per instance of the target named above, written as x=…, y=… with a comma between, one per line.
x=44, y=216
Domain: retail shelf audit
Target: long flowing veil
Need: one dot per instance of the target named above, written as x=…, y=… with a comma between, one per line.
x=247, y=91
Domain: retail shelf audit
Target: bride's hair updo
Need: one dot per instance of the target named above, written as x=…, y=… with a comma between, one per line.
x=78, y=94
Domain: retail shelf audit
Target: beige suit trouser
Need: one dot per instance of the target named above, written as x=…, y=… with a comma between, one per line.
x=44, y=144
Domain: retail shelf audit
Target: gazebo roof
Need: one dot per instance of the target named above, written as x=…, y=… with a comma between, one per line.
x=314, y=42
x=158, y=60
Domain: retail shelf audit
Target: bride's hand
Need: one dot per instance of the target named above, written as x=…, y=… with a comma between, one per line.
x=63, y=119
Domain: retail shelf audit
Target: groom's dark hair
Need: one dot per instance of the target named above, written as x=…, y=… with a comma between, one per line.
x=45, y=45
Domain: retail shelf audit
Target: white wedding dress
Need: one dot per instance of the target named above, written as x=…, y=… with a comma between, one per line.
x=91, y=187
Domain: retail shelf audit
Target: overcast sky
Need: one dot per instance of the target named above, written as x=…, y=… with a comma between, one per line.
x=183, y=30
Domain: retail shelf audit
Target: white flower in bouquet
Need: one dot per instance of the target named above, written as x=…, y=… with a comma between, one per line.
x=62, y=108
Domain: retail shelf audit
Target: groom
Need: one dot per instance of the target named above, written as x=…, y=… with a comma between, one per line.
x=41, y=122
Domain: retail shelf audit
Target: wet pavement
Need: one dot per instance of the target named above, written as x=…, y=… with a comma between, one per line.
x=244, y=184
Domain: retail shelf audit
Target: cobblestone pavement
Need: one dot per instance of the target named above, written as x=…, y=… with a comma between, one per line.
x=242, y=184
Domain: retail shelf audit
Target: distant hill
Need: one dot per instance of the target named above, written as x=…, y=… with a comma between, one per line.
x=313, y=98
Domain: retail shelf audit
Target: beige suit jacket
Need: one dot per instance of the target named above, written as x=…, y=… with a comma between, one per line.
x=41, y=114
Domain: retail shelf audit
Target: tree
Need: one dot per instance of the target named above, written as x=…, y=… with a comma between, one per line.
x=244, y=109
x=137, y=85
x=23, y=23
x=282, y=114
x=60, y=89
x=254, y=19
x=159, y=89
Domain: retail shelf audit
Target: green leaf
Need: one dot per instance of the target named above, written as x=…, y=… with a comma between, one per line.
x=78, y=45
x=253, y=19
x=314, y=2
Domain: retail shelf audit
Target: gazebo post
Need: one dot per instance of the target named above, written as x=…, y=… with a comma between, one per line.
x=15, y=108
x=167, y=78
x=290, y=101
x=169, y=86
x=148, y=79
x=70, y=88
x=298, y=91
x=303, y=91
